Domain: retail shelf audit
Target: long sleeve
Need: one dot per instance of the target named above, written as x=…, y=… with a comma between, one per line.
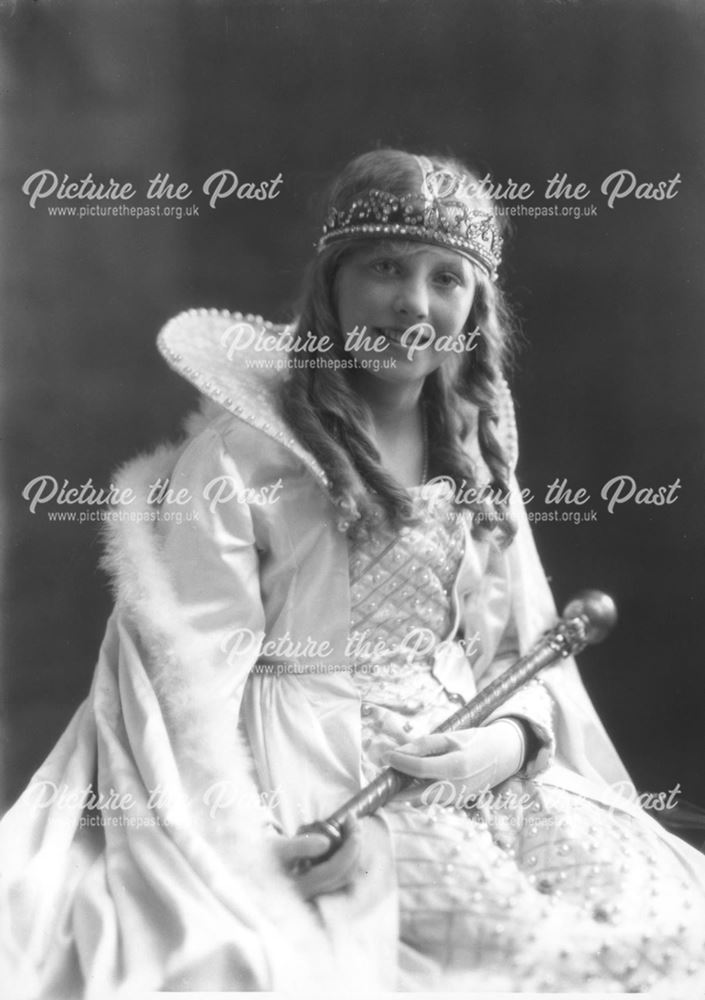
x=213, y=563
x=531, y=704
x=167, y=881
x=489, y=614
x=217, y=615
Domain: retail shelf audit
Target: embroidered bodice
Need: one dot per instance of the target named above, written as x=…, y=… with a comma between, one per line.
x=401, y=592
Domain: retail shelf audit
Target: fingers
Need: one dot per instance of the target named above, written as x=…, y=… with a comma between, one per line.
x=302, y=845
x=430, y=745
x=299, y=853
x=433, y=756
x=476, y=755
x=447, y=765
x=339, y=870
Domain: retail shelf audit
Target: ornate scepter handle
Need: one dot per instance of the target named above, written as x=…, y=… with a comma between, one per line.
x=587, y=619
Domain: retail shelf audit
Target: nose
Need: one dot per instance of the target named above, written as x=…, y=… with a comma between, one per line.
x=411, y=300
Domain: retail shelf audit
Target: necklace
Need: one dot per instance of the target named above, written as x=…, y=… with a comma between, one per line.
x=424, y=444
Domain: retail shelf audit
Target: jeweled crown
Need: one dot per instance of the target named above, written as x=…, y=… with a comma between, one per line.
x=434, y=215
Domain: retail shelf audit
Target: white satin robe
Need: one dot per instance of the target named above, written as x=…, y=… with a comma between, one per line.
x=177, y=885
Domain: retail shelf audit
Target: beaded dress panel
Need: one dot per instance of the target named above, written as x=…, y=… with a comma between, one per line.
x=401, y=610
x=531, y=873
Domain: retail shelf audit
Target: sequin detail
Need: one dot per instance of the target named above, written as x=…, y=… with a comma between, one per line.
x=401, y=586
x=536, y=884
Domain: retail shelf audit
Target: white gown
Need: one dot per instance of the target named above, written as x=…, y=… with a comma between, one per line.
x=161, y=890
x=532, y=876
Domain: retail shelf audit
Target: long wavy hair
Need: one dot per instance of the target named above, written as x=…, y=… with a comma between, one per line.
x=461, y=397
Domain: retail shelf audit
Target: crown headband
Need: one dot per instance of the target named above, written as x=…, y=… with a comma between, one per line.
x=427, y=217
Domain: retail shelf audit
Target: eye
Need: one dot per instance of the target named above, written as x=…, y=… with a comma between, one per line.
x=385, y=266
x=449, y=279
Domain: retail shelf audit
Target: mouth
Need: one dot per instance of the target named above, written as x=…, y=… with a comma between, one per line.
x=393, y=334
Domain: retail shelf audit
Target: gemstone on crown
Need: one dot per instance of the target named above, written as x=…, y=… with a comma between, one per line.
x=442, y=221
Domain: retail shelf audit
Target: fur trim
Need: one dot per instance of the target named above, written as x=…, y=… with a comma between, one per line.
x=206, y=413
x=202, y=731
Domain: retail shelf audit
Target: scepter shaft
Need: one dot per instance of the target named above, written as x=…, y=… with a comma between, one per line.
x=586, y=619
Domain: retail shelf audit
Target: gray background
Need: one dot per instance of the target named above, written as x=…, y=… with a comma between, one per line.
x=609, y=381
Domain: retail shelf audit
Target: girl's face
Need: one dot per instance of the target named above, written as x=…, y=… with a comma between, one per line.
x=387, y=289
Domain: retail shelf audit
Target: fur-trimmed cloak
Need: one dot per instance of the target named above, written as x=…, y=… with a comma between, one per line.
x=141, y=854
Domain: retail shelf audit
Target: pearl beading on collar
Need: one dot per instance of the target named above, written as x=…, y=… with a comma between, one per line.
x=260, y=413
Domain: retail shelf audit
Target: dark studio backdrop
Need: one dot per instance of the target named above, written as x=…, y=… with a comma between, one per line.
x=609, y=381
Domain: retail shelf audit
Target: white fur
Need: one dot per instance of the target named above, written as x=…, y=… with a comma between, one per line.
x=202, y=731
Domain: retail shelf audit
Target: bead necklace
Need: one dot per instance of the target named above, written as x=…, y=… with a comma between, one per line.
x=424, y=444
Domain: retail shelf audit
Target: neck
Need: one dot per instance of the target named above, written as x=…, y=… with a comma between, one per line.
x=389, y=404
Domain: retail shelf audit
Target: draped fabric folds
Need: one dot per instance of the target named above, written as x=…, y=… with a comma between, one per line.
x=142, y=854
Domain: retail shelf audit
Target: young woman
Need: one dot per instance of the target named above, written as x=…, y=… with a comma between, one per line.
x=333, y=559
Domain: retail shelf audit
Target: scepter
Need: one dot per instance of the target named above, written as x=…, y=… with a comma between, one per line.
x=586, y=620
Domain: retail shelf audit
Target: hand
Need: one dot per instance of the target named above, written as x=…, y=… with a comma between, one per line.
x=465, y=761
x=337, y=872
